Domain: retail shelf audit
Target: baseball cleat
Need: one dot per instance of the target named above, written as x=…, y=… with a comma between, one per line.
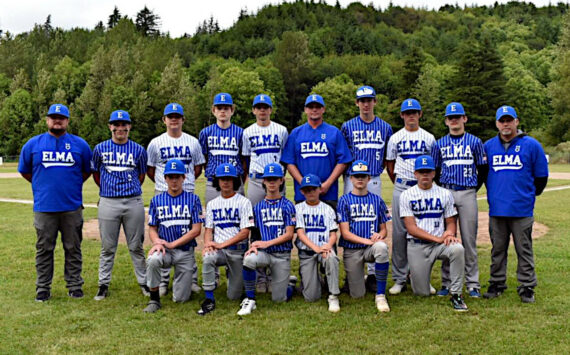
x=474, y=293
x=458, y=303
x=397, y=289
x=333, y=304
x=43, y=296
x=163, y=291
x=195, y=288
x=382, y=303
x=145, y=290
x=152, y=306
x=76, y=293
x=493, y=291
x=443, y=292
x=247, y=306
x=102, y=293
x=431, y=290
x=207, y=306
x=527, y=295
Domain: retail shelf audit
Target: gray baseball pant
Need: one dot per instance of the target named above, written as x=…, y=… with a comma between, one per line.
x=48, y=224
x=233, y=259
x=182, y=261
x=309, y=271
x=421, y=258
x=280, y=264
x=399, y=241
x=354, y=261
x=500, y=229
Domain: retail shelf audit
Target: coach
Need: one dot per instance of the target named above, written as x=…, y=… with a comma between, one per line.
x=518, y=172
x=57, y=163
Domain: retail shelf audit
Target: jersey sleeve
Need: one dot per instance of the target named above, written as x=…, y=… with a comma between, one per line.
x=300, y=221
x=152, y=154
x=391, y=149
x=246, y=215
x=25, y=162
x=245, y=149
x=331, y=217
x=203, y=139
x=289, y=155
x=343, y=154
x=479, y=152
x=209, y=216
x=430, y=142
x=86, y=156
x=540, y=166
x=346, y=135
x=197, y=212
x=383, y=213
x=436, y=155
x=143, y=161
x=289, y=218
x=449, y=206
x=285, y=136
x=405, y=210
x=152, y=215
x=197, y=155
x=343, y=210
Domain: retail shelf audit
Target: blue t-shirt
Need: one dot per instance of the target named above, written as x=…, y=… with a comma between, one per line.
x=510, y=182
x=272, y=217
x=316, y=151
x=57, y=166
x=458, y=158
x=220, y=146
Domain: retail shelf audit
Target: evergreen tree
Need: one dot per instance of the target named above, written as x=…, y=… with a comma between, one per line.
x=559, y=128
x=114, y=18
x=147, y=22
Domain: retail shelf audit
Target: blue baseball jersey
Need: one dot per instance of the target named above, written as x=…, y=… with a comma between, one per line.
x=367, y=141
x=57, y=166
x=174, y=216
x=119, y=166
x=510, y=182
x=458, y=158
x=316, y=151
x=221, y=145
x=364, y=215
x=272, y=217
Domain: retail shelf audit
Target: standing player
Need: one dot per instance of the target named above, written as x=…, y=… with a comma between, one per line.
x=57, y=163
x=403, y=148
x=429, y=216
x=275, y=224
x=119, y=166
x=518, y=172
x=461, y=168
x=316, y=241
x=228, y=219
x=362, y=218
x=175, y=220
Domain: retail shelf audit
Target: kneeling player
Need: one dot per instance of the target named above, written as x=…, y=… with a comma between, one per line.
x=362, y=218
x=228, y=219
x=429, y=217
x=316, y=239
x=275, y=223
x=175, y=218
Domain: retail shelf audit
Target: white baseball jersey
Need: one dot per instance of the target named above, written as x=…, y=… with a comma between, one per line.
x=428, y=207
x=405, y=146
x=264, y=144
x=227, y=216
x=185, y=148
x=317, y=221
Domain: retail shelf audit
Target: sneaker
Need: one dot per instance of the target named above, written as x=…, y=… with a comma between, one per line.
x=494, y=291
x=370, y=283
x=152, y=306
x=163, y=291
x=527, y=295
x=43, y=296
x=207, y=306
x=76, y=293
x=195, y=288
x=397, y=289
x=474, y=293
x=382, y=303
x=145, y=290
x=333, y=304
x=458, y=303
x=431, y=290
x=247, y=305
x=102, y=293
x=443, y=292
x=261, y=287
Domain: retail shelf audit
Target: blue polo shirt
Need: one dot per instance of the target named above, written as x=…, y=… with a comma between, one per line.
x=57, y=166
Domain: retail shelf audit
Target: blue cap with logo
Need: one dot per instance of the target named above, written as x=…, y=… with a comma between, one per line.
x=424, y=162
x=262, y=99
x=223, y=98
x=173, y=108
x=506, y=111
x=410, y=104
x=314, y=98
x=359, y=167
x=365, y=92
x=120, y=116
x=310, y=180
x=226, y=170
x=273, y=170
x=58, y=109
x=174, y=167
x=454, y=109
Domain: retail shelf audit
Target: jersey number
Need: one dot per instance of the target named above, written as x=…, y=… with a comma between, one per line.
x=378, y=157
x=467, y=172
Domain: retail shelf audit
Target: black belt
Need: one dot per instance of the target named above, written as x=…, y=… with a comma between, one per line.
x=406, y=182
x=239, y=246
x=256, y=175
x=457, y=187
x=418, y=241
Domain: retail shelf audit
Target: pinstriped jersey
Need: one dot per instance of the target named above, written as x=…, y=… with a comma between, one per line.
x=367, y=141
x=221, y=145
x=428, y=207
x=458, y=157
x=227, y=216
x=272, y=217
x=119, y=166
x=317, y=221
x=264, y=144
x=185, y=148
x=174, y=216
x=364, y=215
x=405, y=146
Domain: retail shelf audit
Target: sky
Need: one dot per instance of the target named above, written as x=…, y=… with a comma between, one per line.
x=177, y=17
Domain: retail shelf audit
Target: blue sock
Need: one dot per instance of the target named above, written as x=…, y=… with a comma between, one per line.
x=209, y=295
x=249, y=282
x=381, y=271
x=290, y=290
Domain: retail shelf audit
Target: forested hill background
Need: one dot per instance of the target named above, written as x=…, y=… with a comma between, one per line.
x=484, y=57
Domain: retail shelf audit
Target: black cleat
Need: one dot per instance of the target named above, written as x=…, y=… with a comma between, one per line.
x=494, y=291
x=76, y=293
x=527, y=295
x=207, y=306
x=43, y=296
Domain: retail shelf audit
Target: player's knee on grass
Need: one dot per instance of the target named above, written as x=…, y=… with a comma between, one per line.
x=250, y=261
x=380, y=251
x=154, y=261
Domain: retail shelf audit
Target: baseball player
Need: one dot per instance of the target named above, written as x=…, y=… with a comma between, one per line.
x=362, y=218
x=175, y=219
x=316, y=240
x=228, y=220
x=119, y=166
x=429, y=217
x=57, y=163
x=174, y=144
x=275, y=224
x=403, y=148
x=518, y=172
x=460, y=167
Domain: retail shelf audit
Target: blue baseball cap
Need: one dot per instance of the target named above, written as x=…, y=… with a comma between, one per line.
x=410, y=104
x=58, y=109
x=262, y=99
x=454, y=109
x=173, y=108
x=359, y=167
x=226, y=170
x=506, y=111
x=424, y=162
x=223, y=98
x=120, y=116
x=315, y=98
x=273, y=170
x=365, y=91
x=310, y=180
x=174, y=167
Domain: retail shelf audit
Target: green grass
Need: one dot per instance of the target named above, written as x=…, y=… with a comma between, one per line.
x=559, y=168
x=11, y=167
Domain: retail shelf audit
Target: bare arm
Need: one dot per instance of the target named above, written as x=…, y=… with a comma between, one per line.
x=141, y=178
x=390, y=170
x=295, y=173
x=97, y=178
x=189, y=236
x=351, y=237
x=337, y=171
x=447, y=238
x=303, y=237
x=27, y=176
x=150, y=172
x=197, y=170
x=240, y=236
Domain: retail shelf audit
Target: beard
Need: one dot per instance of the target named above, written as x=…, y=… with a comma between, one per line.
x=57, y=131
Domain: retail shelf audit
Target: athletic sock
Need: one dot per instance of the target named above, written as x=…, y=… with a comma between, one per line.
x=249, y=282
x=155, y=296
x=209, y=295
x=381, y=271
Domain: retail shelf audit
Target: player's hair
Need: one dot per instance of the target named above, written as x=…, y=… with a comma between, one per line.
x=281, y=187
x=216, y=183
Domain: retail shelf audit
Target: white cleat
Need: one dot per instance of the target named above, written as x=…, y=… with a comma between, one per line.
x=382, y=303
x=431, y=290
x=334, y=306
x=195, y=288
x=397, y=289
x=247, y=306
x=163, y=291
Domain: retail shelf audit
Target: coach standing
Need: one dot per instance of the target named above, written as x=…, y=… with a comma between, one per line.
x=57, y=163
x=518, y=172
